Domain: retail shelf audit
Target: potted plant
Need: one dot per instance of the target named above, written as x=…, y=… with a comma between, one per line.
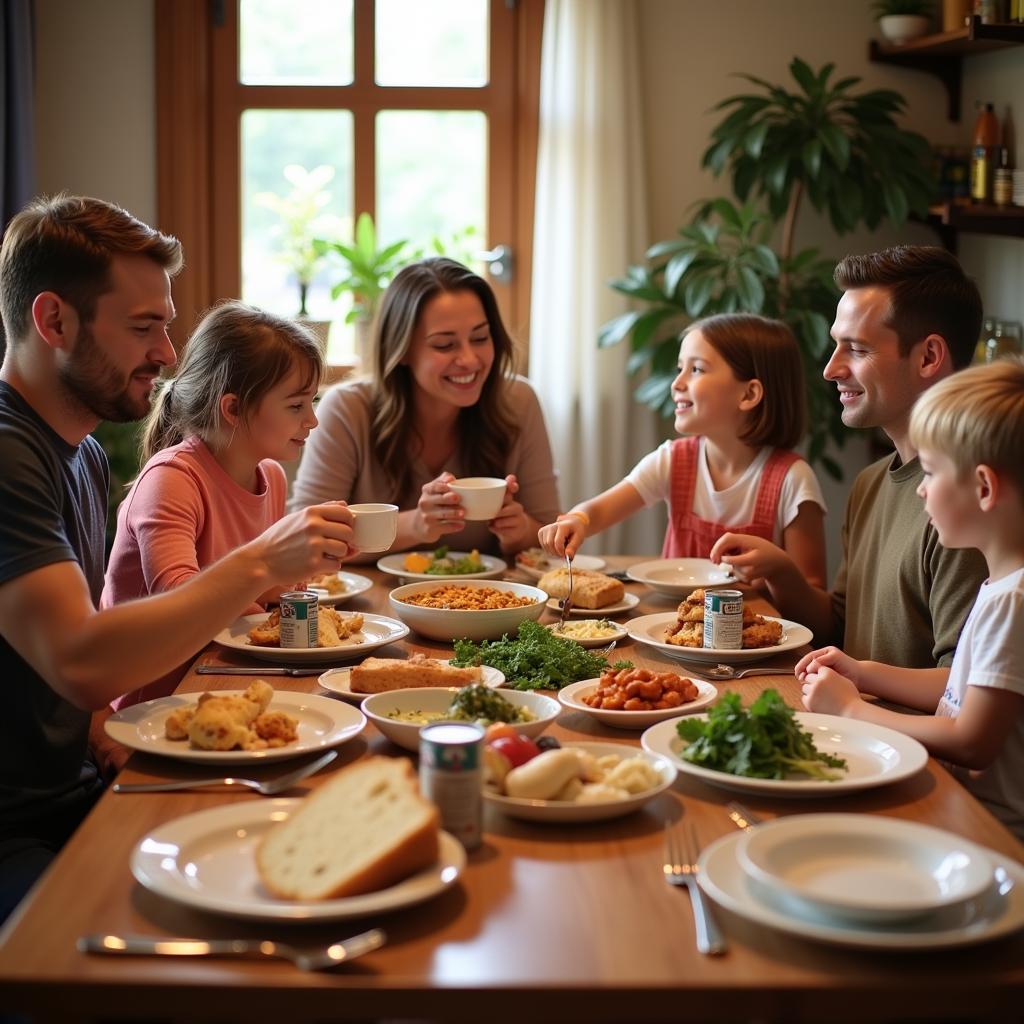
x=302, y=217
x=366, y=272
x=843, y=152
x=903, y=20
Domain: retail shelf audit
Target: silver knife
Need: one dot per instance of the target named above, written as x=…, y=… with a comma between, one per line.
x=206, y=669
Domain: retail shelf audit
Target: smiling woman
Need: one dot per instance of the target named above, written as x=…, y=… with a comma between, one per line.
x=443, y=403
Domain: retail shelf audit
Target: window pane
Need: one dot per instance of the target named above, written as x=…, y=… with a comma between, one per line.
x=296, y=186
x=432, y=179
x=432, y=43
x=284, y=43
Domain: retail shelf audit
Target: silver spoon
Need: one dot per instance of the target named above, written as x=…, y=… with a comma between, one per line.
x=728, y=672
x=318, y=959
x=270, y=787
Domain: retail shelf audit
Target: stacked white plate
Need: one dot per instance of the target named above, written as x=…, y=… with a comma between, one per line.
x=864, y=880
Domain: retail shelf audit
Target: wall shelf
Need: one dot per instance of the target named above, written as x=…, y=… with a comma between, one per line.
x=942, y=53
x=953, y=219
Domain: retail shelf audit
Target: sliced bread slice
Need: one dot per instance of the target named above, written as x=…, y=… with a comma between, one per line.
x=365, y=829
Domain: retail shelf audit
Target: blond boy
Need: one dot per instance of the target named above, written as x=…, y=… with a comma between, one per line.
x=969, y=431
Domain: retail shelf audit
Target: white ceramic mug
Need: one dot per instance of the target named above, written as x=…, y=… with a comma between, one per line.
x=375, y=526
x=481, y=496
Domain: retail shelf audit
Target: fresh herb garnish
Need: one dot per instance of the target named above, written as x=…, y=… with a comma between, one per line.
x=536, y=659
x=765, y=742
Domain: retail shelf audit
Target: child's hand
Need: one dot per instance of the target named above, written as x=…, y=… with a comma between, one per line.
x=439, y=510
x=562, y=538
x=829, y=693
x=828, y=657
x=749, y=557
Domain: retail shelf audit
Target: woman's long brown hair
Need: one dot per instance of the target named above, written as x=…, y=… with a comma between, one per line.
x=486, y=430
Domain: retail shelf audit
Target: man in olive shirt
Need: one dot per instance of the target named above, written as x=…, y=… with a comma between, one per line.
x=908, y=317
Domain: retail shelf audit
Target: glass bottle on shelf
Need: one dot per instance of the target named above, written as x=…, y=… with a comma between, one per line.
x=981, y=349
x=1005, y=340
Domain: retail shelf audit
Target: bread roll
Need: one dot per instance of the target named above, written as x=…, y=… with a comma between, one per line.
x=365, y=829
x=589, y=589
x=375, y=675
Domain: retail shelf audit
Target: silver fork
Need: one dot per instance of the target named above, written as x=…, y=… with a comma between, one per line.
x=319, y=959
x=742, y=817
x=270, y=787
x=566, y=605
x=681, y=851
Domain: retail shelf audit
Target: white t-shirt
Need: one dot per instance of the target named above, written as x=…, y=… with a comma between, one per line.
x=990, y=652
x=652, y=477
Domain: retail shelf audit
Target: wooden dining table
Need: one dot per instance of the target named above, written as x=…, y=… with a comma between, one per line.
x=547, y=922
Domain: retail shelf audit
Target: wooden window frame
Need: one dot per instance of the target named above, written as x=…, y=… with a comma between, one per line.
x=195, y=112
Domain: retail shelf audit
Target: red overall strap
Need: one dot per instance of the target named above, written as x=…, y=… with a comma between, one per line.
x=690, y=536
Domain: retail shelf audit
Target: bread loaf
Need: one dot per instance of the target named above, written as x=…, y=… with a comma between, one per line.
x=589, y=589
x=365, y=829
x=375, y=675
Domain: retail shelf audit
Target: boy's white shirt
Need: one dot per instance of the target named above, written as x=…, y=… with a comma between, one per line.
x=990, y=652
x=734, y=506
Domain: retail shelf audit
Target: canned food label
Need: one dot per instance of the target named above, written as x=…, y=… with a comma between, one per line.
x=723, y=619
x=451, y=776
x=299, y=619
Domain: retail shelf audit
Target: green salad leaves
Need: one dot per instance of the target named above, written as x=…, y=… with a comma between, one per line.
x=536, y=659
x=764, y=742
x=442, y=565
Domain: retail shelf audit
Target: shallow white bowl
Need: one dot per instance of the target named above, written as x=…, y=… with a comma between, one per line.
x=481, y=496
x=614, y=635
x=566, y=812
x=571, y=696
x=439, y=698
x=677, y=577
x=456, y=624
x=863, y=867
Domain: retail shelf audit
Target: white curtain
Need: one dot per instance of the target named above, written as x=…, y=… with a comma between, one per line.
x=591, y=222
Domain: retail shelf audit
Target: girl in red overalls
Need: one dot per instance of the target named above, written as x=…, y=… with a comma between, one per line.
x=739, y=404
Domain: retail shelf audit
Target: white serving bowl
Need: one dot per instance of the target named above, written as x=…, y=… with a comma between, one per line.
x=571, y=696
x=438, y=698
x=450, y=624
x=864, y=868
x=482, y=496
x=678, y=577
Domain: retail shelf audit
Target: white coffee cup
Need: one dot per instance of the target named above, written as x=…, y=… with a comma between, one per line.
x=375, y=526
x=481, y=496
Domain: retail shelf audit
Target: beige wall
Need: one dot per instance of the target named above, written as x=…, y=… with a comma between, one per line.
x=95, y=119
x=97, y=134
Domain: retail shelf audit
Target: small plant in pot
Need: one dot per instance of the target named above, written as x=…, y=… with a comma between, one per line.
x=902, y=20
x=366, y=272
x=302, y=216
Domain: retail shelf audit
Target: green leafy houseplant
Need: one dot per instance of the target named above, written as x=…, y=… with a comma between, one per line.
x=301, y=217
x=366, y=269
x=841, y=151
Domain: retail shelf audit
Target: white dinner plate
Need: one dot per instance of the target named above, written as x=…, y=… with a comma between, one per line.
x=588, y=562
x=207, y=860
x=650, y=630
x=338, y=680
x=628, y=602
x=677, y=577
x=572, y=813
x=322, y=723
x=393, y=566
x=998, y=912
x=875, y=756
x=614, y=635
x=572, y=696
x=865, y=867
x=377, y=631
x=354, y=585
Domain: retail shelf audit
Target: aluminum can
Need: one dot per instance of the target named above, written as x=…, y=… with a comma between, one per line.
x=723, y=619
x=451, y=776
x=299, y=619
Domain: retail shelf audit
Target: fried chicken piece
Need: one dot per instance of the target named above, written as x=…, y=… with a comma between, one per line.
x=260, y=692
x=276, y=728
x=268, y=633
x=217, y=725
x=762, y=634
x=686, y=634
x=176, y=725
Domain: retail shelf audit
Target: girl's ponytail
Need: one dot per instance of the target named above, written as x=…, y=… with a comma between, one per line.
x=161, y=429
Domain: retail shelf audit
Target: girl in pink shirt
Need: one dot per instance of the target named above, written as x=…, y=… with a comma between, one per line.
x=240, y=404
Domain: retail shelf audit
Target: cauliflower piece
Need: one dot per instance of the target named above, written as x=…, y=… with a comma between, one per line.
x=634, y=775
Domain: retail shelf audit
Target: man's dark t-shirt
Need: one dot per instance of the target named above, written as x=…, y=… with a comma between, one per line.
x=53, y=508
